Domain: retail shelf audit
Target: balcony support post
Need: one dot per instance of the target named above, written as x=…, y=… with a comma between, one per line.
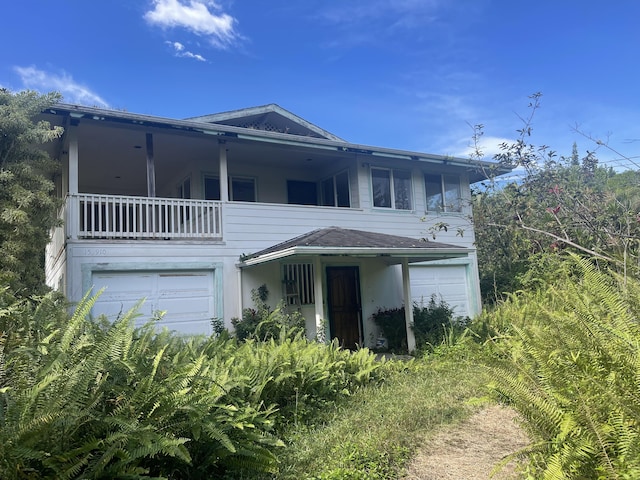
x=224, y=182
x=73, y=217
x=151, y=168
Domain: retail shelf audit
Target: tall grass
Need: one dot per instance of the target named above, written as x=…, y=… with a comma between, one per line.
x=373, y=434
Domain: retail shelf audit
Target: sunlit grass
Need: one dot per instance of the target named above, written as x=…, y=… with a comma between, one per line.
x=372, y=435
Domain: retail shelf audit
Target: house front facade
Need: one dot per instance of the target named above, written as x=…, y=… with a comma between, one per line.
x=193, y=215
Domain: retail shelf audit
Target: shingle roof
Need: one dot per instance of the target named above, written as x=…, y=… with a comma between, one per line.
x=336, y=240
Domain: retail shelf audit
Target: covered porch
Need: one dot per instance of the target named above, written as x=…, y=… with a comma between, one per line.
x=329, y=268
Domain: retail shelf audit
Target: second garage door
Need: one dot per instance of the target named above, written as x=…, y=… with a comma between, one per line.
x=187, y=297
x=448, y=282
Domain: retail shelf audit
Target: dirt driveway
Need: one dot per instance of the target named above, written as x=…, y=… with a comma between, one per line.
x=470, y=450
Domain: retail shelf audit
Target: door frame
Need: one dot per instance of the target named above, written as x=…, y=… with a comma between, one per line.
x=357, y=300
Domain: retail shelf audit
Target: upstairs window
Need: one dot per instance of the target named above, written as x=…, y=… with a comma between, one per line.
x=391, y=188
x=184, y=189
x=243, y=189
x=335, y=191
x=443, y=193
x=302, y=193
x=211, y=188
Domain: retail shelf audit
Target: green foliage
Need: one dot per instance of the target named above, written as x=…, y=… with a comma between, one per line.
x=84, y=399
x=392, y=324
x=28, y=207
x=92, y=402
x=434, y=324
x=572, y=369
x=263, y=323
x=557, y=204
x=301, y=378
x=376, y=430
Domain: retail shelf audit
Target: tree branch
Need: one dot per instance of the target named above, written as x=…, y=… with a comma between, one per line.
x=560, y=239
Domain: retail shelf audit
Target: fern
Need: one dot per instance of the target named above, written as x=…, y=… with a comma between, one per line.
x=574, y=372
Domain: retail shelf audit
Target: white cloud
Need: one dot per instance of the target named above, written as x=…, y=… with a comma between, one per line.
x=487, y=146
x=196, y=17
x=73, y=92
x=181, y=52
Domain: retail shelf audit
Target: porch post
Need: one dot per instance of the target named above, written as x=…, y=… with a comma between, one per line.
x=319, y=296
x=72, y=224
x=151, y=167
x=73, y=161
x=224, y=182
x=408, y=306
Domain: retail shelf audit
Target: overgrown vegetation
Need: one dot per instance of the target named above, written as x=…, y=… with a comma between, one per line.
x=377, y=430
x=80, y=399
x=556, y=203
x=28, y=207
x=263, y=323
x=434, y=324
x=558, y=251
x=572, y=369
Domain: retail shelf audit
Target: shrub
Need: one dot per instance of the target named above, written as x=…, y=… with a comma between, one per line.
x=393, y=327
x=299, y=377
x=84, y=400
x=433, y=325
x=262, y=323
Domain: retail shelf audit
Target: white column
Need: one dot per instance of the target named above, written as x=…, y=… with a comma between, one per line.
x=73, y=161
x=224, y=181
x=72, y=222
x=408, y=306
x=239, y=292
x=151, y=168
x=319, y=296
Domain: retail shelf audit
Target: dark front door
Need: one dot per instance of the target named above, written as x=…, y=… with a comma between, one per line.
x=343, y=290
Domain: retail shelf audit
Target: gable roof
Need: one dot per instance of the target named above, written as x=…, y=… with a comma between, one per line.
x=270, y=118
x=357, y=243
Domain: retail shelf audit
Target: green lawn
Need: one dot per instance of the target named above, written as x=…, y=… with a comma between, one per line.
x=374, y=433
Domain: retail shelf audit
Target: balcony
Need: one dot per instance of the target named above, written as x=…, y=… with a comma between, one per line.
x=125, y=217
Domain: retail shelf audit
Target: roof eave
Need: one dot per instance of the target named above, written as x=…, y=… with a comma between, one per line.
x=95, y=113
x=414, y=254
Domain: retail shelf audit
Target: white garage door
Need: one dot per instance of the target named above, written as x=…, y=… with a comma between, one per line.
x=448, y=282
x=187, y=297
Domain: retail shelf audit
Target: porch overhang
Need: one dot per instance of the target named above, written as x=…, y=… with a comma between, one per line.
x=339, y=242
x=392, y=256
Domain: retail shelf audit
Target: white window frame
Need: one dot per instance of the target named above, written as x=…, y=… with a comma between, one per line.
x=243, y=178
x=180, y=189
x=209, y=176
x=444, y=206
x=334, y=179
x=392, y=173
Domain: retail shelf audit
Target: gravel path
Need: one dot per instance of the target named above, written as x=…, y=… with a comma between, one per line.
x=471, y=449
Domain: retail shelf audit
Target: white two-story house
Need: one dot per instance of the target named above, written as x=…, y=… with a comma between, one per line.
x=194, y=214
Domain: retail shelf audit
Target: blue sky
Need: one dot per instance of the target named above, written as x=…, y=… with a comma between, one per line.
x=407, y=74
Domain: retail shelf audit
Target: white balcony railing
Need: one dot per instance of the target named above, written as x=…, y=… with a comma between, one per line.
x=115, y=216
